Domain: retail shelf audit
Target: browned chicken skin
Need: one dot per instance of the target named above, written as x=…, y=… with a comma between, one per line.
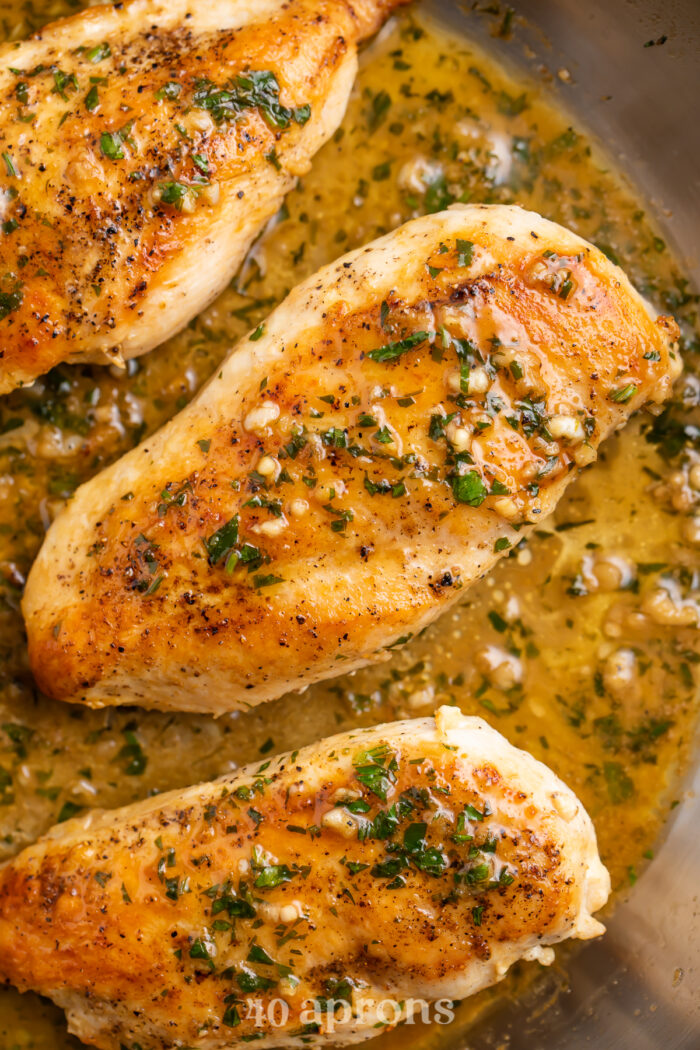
x=412, y=861
x=143, y=146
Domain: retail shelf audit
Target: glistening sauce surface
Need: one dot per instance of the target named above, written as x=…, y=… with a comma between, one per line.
x=582, y=646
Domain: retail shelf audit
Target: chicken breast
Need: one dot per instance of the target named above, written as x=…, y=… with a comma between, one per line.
x=144, y=145
x=308, y=899
x=401, y=421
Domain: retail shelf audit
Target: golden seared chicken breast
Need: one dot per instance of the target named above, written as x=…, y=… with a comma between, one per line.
x=309, y=899
x=399, y=423
x=144, y=145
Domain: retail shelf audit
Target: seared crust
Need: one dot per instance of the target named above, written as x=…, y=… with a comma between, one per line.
x=133, y=186
x=182, y=577
x=417, y=859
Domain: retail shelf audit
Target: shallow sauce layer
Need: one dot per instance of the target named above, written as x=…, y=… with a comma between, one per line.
x=582, y=646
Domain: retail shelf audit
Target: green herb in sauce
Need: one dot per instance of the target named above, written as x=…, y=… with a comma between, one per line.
x=433, y=121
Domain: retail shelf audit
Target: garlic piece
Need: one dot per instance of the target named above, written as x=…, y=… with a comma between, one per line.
x=267, y=466
x=478, y=382
x=459, y=437
x=339, y=820
x=501, y=668
x=260, y=417
x=691, y=531
x=298, y=508
x=506, y=507
x=661, y=607
x=566, y=428
x=272, y=528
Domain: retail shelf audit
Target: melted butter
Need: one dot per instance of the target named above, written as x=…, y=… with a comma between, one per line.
x=574, y=647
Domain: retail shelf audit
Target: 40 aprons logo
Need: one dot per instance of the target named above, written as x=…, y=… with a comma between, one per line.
x=331, y=1014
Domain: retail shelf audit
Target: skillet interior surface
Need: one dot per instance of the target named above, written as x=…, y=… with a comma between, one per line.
x=637, y=987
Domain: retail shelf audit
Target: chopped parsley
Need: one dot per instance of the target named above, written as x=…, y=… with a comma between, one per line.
x=170, y=90
x=623, y=394
x=469, y=488
x=175, y=193
x=252, y=90
x=223, y=541
x=99, y=52
x=465, y=252
x=273, y=875
x=92, y=99
x=111, y=145
x=376, y=769
x=392, y=351
x=10, y=301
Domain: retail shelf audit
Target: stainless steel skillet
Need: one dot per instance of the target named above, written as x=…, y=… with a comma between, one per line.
x=638, y=988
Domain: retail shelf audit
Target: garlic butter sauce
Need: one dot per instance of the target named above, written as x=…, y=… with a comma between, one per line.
x=582, y=646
